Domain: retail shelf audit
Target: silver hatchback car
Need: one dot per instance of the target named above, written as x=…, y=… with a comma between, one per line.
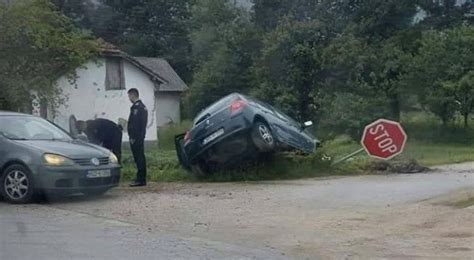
x=38, y=156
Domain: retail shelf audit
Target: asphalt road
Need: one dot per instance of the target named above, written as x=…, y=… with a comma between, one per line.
x=391, y=216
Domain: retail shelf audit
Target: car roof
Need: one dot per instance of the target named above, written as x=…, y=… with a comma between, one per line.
x=11, y=113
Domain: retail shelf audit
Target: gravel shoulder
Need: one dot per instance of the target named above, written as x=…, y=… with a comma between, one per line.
x=389, y=216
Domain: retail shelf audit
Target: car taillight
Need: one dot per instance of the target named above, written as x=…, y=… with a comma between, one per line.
x=237, y=105
x=187, y=138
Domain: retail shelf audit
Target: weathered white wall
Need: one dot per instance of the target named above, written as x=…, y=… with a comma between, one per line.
x=88, y=99
x=168, y=108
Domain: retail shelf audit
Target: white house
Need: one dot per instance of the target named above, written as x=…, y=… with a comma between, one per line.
x=100, y=91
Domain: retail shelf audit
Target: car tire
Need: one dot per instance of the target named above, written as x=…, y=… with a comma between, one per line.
x=17, y=184
x=262, y=137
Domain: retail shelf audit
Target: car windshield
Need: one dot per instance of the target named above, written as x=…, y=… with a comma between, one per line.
x=30, y=128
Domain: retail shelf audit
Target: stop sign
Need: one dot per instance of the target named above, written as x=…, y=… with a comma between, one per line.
x=384, y=139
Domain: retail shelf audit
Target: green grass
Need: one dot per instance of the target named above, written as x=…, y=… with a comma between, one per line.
x=426, y=154
x=428, y=143
x=435, y=154
x=167, y=133
x=279, y=167
x=162, y=165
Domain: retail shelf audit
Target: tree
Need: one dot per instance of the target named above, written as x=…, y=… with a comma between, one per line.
x=464, y=93
x=224, y=44
x=38, y=45
x=153, y=28
x=442, y=71
x=157, y=28
x=372, y=71
x=269, y=13
x=446, y=14
x=289, y=72
x=212, y=24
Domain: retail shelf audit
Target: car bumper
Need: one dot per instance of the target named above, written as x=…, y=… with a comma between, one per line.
x=63, y=179
x=238, y=125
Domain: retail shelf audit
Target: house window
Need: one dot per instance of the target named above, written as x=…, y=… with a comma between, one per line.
x=114, y=77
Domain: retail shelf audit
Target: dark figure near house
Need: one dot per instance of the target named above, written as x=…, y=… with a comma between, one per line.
x=105, y=133
x=137, y=123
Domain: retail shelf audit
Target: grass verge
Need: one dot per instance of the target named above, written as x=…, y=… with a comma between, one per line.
x=428, y=144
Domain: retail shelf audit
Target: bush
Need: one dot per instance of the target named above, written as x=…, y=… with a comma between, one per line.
x=348, y=114
x=424, y=127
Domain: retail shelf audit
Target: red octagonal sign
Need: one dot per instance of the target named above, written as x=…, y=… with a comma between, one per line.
x=384, y=139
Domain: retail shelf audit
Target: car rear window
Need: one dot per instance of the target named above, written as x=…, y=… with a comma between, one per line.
x=209, y=111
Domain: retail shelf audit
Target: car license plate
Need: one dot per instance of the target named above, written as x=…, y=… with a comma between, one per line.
x=98, y=174
x=213, y=136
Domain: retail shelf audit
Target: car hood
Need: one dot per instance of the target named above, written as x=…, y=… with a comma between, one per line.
x=71, y=149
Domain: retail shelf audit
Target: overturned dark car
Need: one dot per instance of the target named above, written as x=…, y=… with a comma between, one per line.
x=236, y=128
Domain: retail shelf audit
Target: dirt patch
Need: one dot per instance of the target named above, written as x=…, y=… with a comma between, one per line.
x=457, y=235
x=461, y=199
x=411, y=166
x=460, y=249
x=464, y=203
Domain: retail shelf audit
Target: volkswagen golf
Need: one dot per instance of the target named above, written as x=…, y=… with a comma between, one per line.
x=38, y=156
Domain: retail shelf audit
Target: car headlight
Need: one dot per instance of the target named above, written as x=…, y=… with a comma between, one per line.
x=113, y=159
x=56, y=160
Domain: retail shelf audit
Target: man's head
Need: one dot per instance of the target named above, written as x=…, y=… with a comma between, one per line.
x=133, y=95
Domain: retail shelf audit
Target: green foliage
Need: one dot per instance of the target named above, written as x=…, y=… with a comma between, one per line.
x=156, y=28
x=153, y=28
x=289, y=70
x=442, y=71
x=37, y=46
x=269, y=13
x=446, y=14
x=223, y=49
x=425, y=128
x=379, y=20
x=348, y=113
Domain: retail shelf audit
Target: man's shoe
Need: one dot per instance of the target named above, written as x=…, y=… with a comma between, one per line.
x=137, y=184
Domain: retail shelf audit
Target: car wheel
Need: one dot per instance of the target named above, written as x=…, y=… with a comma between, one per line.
x=17, y=184
x=262, y=137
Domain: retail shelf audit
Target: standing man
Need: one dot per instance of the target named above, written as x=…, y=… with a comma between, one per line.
x=137, y=123
x=103, y=132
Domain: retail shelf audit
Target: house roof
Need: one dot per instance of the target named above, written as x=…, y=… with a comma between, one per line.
x=159, y=69
x=162, y=68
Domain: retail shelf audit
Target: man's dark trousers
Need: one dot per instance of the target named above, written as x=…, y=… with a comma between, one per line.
x=115, y=145
x=138, y=150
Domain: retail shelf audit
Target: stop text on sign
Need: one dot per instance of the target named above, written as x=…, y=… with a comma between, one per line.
x=385, y=142
x=384, y=139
